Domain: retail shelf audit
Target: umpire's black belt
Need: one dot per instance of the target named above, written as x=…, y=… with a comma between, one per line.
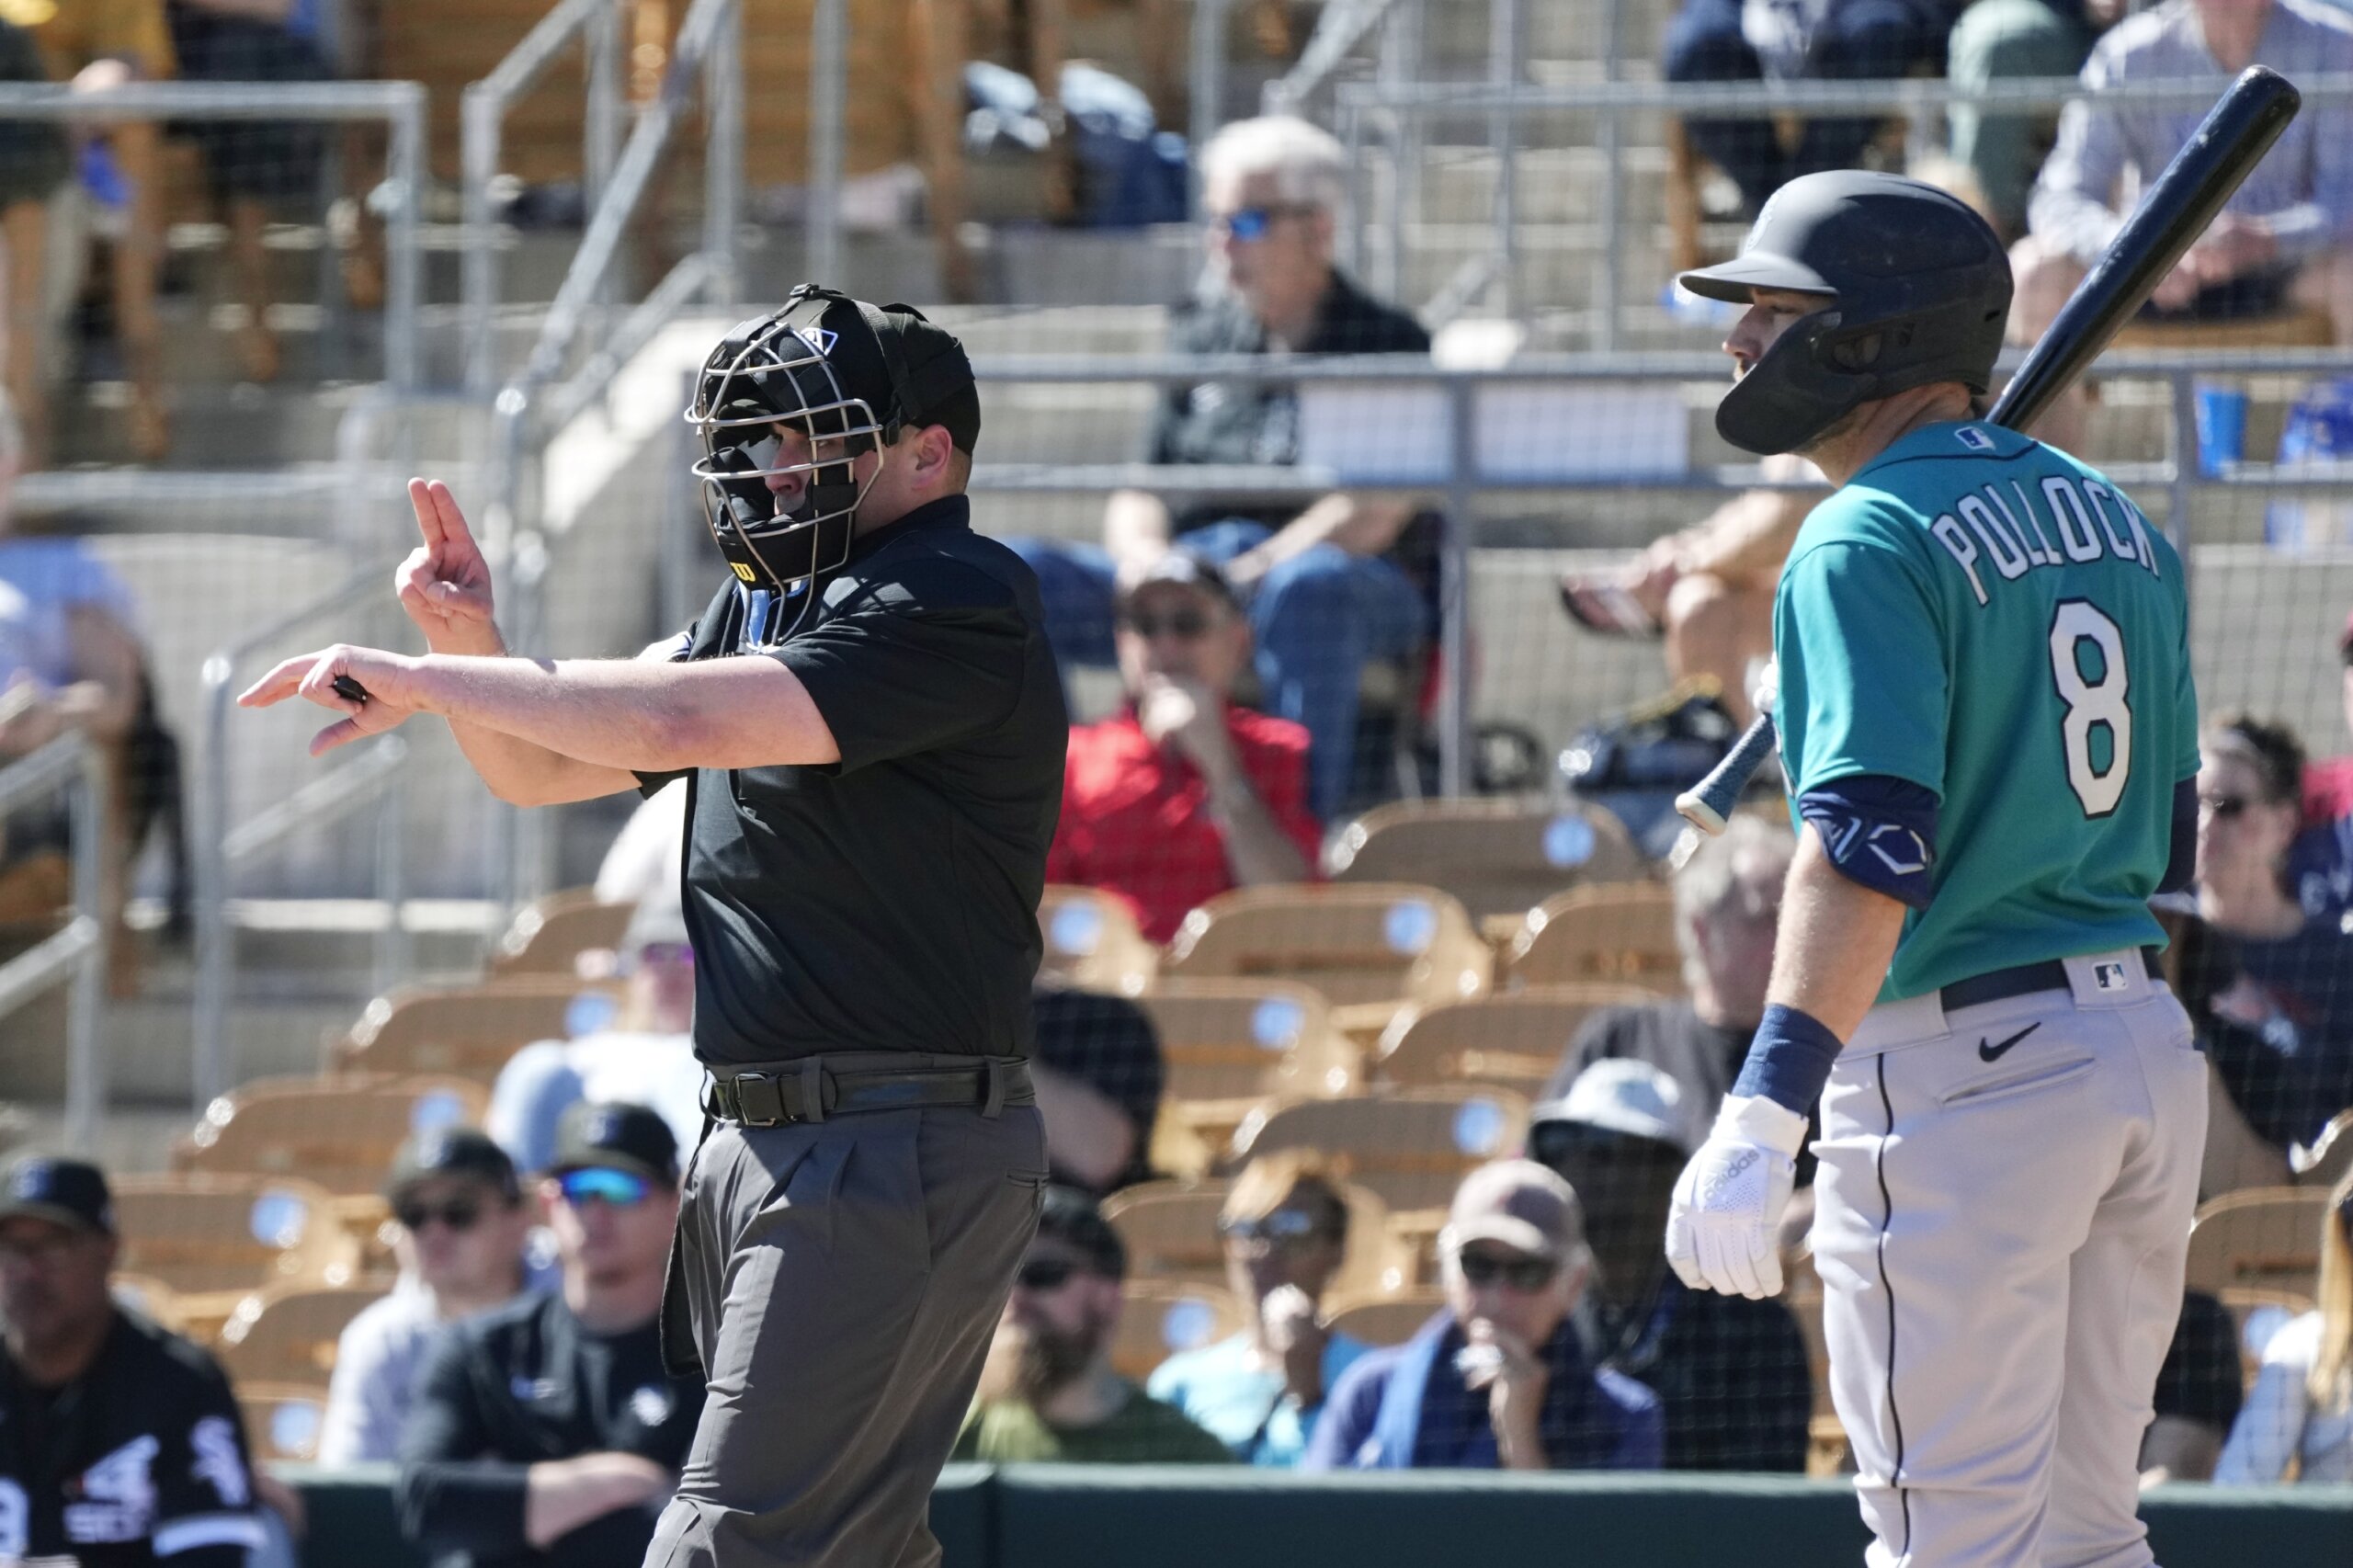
x=816, y=1087
x=2019, y=979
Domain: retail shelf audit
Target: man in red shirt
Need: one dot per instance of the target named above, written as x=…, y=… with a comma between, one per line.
x=2320, y=862
x=1183, y=795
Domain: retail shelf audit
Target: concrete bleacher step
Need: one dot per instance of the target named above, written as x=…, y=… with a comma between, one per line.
x=1552, y=185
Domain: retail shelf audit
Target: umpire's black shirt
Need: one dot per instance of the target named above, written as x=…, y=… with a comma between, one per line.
x=140, y=1459
x=517, y=1385
x=887, y=902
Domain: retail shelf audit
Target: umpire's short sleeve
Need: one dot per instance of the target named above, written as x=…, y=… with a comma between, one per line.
x=1863, y=673
x=933, y=657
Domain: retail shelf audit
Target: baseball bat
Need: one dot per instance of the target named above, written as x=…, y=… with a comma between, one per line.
x=2175, y=209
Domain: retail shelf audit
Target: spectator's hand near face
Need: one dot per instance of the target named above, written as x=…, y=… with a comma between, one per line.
x=1181, y=712
x=103, y=75
x=28, y=717
x=1295, y=1333
x=1515, y=1379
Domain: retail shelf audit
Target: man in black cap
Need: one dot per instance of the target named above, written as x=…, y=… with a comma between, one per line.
x=547, y=1431
x=462, y=1223
x=871, y=722
x=120, y=1443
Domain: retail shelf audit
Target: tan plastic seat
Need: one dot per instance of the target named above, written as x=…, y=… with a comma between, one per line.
x=1230, y=1044
x=149, y=1298
x=1410, y=1148
x=229, y=1236
x=283, y=1421
x=555, y=935
x=289, y=1334
x=1622, y=932
x=1516, y=1039
x=1369, y=948
x=470, y=1030
x=1387, y=1320
x=1162, y=1317
x=1497, y=857
x=1092, y=942
x=2262, y=1238
x=338, y=1133
x=1170, y=1229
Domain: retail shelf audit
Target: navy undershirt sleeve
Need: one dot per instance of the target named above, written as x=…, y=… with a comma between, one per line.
x=2181, y=856
x=1880, y=831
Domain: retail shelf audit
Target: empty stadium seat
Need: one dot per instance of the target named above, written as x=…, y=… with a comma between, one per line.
x=1230, y=1044
x=1170, y=1229
x=1516, y=1039
x=1621, y=932
x=208, y=1235
x=1367, y=946
x=1497, y=857
x=1161, y=1317
x=289, y=1334
x=283, y=1420
x=555, y=934
x=1387, y=1320
x=337, y=1133
x=1410, y=1148
x=470, y=1029
x=1092, y=942
x=2263, y=1238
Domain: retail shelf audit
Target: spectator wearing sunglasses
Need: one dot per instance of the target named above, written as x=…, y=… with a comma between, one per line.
x=1285, y=1227
x=1184, y=793
x=462, y=1225
x=1731, y=1373
x=546, y=1431
x=1327, y=588
x=1500, y=1380
x=644, y=1056
x=2320, y=861
x=1047, y=1392
x=2275, y=985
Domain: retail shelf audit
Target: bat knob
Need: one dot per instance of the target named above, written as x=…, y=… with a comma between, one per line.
x=1692, y=805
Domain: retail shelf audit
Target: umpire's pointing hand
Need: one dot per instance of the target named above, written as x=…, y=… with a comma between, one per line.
x=312, y=676
x=445, y=582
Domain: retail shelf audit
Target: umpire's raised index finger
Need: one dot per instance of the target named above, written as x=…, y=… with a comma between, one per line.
x=444, y=507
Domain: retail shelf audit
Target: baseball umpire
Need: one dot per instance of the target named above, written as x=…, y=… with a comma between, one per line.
x=1987, y=719
x=873, y=728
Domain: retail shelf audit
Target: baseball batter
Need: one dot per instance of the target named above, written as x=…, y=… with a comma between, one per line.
x=1987, y=719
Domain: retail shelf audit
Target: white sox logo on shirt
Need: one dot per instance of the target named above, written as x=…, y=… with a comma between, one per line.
x=214, y=1444
x=117, y=1496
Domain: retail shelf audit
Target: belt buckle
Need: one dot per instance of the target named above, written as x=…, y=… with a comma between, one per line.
x=759, y=1100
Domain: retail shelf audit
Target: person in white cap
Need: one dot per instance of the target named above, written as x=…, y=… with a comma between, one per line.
x=1730, y=1373
x=1499, y=1379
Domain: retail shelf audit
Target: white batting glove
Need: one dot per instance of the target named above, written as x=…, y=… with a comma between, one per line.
x=1724, y=1232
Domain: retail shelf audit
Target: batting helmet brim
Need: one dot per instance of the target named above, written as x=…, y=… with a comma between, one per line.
x=1733, y=279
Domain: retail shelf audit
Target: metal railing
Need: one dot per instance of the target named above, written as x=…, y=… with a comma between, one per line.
x=401, y=105
x=596, y=26
x=1463, y=480
x=72, y=763
x=219, y=848
x=1398, y=112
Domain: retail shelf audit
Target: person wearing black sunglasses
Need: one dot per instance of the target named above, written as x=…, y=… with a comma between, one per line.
x=1499, y=1379
x=1185, y=793
x=547, y=1431
x=1048, y=1393
x=1330, y=583
x=1731, y=1374
x=1285, y=1227
x=2275, y=1002
x=462, y=1221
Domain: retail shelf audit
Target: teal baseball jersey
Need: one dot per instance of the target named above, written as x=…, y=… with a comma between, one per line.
x=1985, y=617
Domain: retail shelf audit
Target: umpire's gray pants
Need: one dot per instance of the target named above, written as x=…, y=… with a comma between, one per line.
x=841, y=1280
x=2001, y=1246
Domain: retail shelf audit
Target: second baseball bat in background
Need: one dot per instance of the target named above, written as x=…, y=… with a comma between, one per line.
x=2175, y=209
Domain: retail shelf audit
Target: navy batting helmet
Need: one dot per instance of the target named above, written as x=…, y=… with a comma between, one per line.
x=1916, y=287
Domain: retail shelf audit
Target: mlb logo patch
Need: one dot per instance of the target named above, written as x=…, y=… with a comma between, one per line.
x=2110, y=976
x=1976, y=441
x=821, y=342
